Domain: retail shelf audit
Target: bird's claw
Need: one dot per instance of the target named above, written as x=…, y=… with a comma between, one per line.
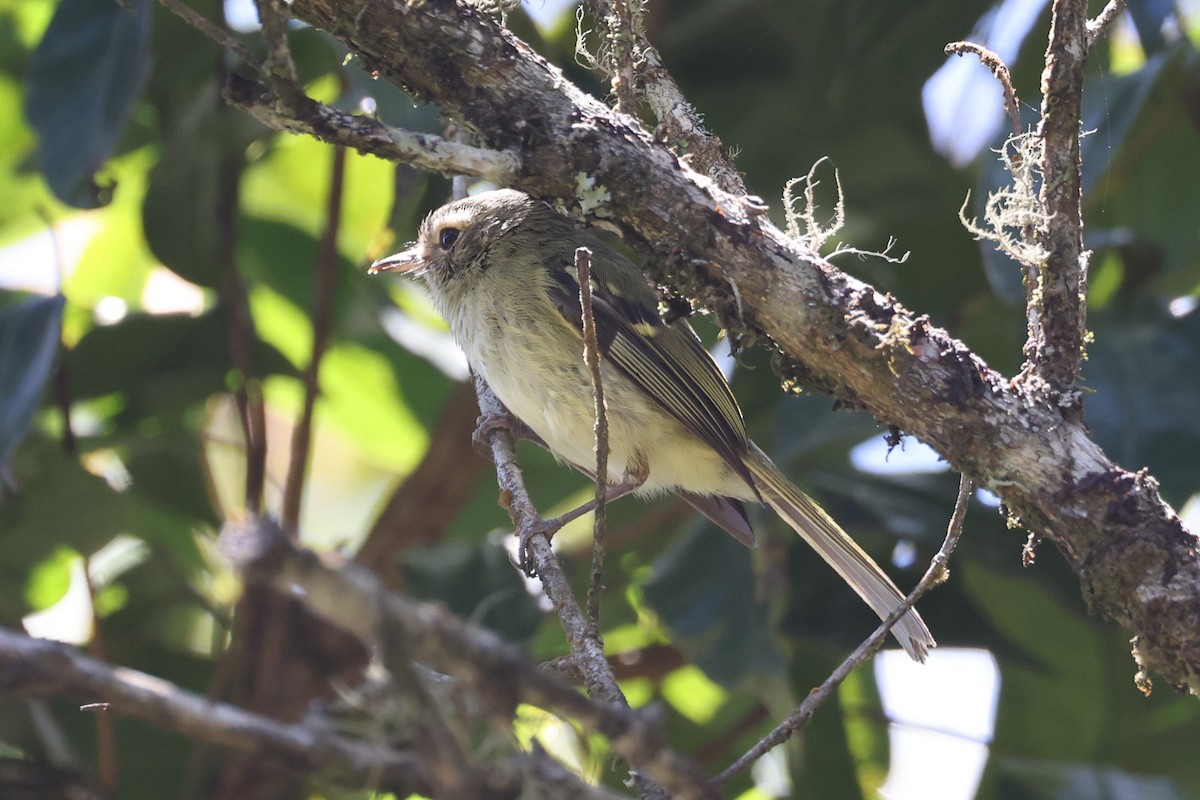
x=525, y=558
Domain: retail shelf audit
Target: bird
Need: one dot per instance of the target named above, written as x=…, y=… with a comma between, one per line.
x=500, y=269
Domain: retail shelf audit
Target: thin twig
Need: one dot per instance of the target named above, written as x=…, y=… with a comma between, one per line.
x=637, y=73
x=279, y=68
x=1107, y=15
x=1000, y=70
x=322, y=317
x=369, y=136
x=214, y=32
x=587, y=650
x=353, y=598
x=240, y=332
x=591, y=355
x=1056, y=300
x=106, y=740
x=37, y=666
x=934, y=575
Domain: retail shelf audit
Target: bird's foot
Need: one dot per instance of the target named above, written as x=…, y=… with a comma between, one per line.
x=548, y=527
x=486, y=423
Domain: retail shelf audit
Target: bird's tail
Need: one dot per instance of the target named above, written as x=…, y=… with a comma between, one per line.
x=840, y=551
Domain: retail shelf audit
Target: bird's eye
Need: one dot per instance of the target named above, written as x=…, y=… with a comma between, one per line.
x=447, y=237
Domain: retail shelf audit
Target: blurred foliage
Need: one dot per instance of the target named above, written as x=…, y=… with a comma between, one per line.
x=112, y=129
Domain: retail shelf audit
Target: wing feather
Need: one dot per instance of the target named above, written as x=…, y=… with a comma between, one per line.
x=667, y=362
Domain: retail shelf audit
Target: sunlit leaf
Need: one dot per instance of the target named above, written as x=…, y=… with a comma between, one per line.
x=703, y=590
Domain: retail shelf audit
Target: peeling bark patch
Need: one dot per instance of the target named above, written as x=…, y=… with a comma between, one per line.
x=1123, y=509
x=866, y=306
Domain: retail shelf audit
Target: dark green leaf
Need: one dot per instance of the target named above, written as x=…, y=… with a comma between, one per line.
x=29, y=338
x=703, y=589
x=161, y=363
x=182, y=209
x=1144, y=372
x=82, y=82
x=1043, y=779
x=477, y=582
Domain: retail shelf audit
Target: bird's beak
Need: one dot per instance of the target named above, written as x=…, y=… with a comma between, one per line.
x=404, y=262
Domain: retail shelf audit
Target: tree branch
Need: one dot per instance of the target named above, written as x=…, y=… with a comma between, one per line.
x=322, y=322
x=1058, y=297
x=935, y=574
x=1136, y=563
x=368, y=135
x=637, y=72
x=354, y=598
x=37, y=666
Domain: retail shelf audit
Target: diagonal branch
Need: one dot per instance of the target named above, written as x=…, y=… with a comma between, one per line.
x=936, y=574
x=350, y=595
x=368, y=135
x=1135, y=561
x=637, y=73
x=37, y=666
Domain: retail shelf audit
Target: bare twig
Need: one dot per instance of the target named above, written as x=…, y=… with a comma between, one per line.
x=1000, y=70
x=637, y=72
x=587, y=651
x=279, y=68
x=106, y=740
x=620, y=24
x=322, y=316
x=370, y=136
x=1096, y=27
x=934, y=575
x=36, y=666
x=240, y=327
x=1057, y=300
x=354, y=598
x=591, y=355
x=214, y=32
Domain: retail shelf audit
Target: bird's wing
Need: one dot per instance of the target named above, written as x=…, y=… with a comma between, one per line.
x=667, y=362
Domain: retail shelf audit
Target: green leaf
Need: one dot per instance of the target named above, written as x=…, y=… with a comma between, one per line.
x=82, y=81
x=161, y=363
x=1144, y=372
x=703, y=590
x=50, y=579
x=1043, y=779
x=477, y=582
x=1053, y=683
x=29, y=338
x=59, y=504
x=182, y=209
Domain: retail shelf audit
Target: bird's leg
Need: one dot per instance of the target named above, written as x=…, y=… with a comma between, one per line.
x=629, y=483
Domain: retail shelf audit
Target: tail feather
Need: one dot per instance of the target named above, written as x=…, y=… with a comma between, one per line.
x=841, y=552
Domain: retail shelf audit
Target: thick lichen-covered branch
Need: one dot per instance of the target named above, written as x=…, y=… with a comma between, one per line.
x=1136, y=562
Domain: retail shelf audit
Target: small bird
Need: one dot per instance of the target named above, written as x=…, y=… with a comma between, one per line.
x=500, y=267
